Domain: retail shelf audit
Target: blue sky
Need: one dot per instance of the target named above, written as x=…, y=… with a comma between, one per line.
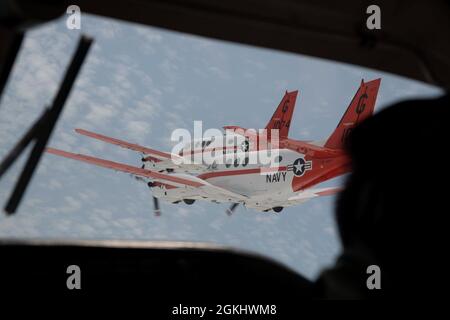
x=139, y=84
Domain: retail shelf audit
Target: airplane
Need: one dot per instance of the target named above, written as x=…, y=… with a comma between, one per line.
x=286, y=180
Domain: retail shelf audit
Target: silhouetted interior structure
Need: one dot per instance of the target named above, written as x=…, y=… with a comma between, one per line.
x=391, y=201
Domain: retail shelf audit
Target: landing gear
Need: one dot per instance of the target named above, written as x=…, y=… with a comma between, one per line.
x=188, y=201
x=277, y=209
x=156, y=209
x=231, y=209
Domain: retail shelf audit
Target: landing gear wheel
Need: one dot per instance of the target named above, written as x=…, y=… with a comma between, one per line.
x=188, y=201
x=277, y=209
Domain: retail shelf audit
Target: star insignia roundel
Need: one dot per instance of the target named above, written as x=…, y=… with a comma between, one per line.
x=300, y=166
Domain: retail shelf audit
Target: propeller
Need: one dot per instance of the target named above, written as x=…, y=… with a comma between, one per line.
x=231, y=209
x=156, y=208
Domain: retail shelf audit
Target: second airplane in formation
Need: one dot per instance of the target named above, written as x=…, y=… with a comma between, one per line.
x=295, y=166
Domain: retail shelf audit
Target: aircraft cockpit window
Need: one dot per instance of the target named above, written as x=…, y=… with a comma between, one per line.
x=141, y=85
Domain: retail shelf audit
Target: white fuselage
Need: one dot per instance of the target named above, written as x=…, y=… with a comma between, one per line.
x=260, y=180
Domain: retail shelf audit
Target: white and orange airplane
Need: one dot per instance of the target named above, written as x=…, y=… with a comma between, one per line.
x=286, y=180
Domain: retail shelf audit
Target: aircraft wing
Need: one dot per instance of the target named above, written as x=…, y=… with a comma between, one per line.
x=298, y=198
x=203, y=188
x=135, y=147
x=164, y=159
x=164, y=178
x=307, y=194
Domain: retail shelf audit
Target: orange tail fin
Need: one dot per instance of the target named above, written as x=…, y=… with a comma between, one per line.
x=360, y=108
x=281, y=119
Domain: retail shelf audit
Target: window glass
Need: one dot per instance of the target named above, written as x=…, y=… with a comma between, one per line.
x=140, y=84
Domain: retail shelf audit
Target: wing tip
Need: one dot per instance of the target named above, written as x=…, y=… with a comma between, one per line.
x=80, y=131
x=330, y=191
x=58, y=152
x=51, y=150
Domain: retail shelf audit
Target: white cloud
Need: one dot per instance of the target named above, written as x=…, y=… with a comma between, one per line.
x=219, y=72
x=101, y=114
x=137, y=130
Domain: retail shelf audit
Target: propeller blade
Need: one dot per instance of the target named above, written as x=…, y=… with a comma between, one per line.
x=231, y=209
x=156, y=209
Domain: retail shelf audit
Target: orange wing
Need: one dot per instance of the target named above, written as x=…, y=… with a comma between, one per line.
x=124, y=144
x=165, y=178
